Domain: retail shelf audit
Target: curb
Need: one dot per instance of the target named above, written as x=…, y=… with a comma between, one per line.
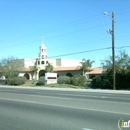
x=69, y=89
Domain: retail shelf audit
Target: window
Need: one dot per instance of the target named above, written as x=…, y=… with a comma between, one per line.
x=42, y=62
x=42, y=56
x=46, y=62
x=38, y=62
x=69, y=74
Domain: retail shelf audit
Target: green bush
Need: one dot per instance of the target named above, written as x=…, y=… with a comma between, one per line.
x=17, y=81
x=63, y=80
x=103, y=81
x=122, y=73
x=79, y=80
x=41, y=81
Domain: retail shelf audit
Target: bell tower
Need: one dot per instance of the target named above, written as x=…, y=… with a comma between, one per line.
x=43, y=52
x=42, y=56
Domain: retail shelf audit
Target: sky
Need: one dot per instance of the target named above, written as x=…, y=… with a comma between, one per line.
x=72, y=29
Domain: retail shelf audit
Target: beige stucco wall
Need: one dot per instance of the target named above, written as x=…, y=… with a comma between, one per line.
x=52, y=62
x=29, y=73
x=63, y=63
x=29, y=62
x=62, y=73
x=70, y=62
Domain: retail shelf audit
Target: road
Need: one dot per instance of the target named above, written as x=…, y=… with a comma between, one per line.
x=41, y=109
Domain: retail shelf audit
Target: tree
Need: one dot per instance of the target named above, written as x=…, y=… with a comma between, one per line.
x=78, y=80
x=1, y=74
x=10, y=67
x=123, y=60
x=122, y=63
x=85, y=65
x=103, y=81
x=34, y=69
x=107, y=63
x=49, y=68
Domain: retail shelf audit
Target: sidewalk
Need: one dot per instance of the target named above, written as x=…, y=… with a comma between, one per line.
x=69, y=89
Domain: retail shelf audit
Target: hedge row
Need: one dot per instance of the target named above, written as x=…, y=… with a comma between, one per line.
x=41, y=81
x=105, y=80
x=17, y=81
x=77, y=80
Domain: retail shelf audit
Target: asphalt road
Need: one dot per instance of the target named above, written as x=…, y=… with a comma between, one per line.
x=40, y=109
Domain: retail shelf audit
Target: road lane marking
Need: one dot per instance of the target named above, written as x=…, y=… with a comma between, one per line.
x=86, y=129
x=76, y=99
x=79, y=95
x=103, y=97
x=80, y=108
x=55, y=97
x=42, y=96
x=83, y=95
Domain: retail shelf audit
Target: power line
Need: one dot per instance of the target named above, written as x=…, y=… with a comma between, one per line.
x=122, y=13
x=90, y=43
x=73, y=32
x=20, y=44
x=56, y=36
x=99, y=49
x=122, y=47
x=65, y=34
x=117, y=37
x=61, y=35
x=77, y=53
x=80, y=52
x=46, y=30
x=123, y=20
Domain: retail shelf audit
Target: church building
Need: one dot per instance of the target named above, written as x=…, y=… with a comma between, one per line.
x=68, y=67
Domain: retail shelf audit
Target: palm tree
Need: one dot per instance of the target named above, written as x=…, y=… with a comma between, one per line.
x=122, y=61
x=49, y=68
x=85, y=65
x=34, y=69
x=122, y=66
x=107, y=63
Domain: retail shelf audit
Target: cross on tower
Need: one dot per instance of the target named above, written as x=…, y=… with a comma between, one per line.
x=42, y=39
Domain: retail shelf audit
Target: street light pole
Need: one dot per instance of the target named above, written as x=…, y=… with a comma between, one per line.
x=113, y=51
x=113, y=48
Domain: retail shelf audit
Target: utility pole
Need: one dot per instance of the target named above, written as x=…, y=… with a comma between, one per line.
x=113, y=52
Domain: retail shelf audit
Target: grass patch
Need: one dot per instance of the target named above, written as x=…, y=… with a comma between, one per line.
x=61, y=86
x=56, y=85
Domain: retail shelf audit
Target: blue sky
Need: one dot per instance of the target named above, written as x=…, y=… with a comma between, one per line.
x=68, y=26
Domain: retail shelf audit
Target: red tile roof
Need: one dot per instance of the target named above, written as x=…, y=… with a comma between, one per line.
x=96, y=71
x=92, y=70
x=66, y=68
x=26, y=69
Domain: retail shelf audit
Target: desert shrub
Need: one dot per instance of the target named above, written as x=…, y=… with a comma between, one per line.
x=63, y=79
x=17, y=81
x=105, y=80
x=41, y=81
x=79, y=80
